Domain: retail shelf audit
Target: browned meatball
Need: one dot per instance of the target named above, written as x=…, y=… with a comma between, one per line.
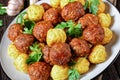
x=87, y=20
x=46, y=52
x=80, y=47
x=58, y=54
x=72, y=11
x=51, y=15
x=14, y=31
x=40, y=30
x=94, y=34
x=23, y=41
x=39, y=71
x=60, y=19
x=46, y=6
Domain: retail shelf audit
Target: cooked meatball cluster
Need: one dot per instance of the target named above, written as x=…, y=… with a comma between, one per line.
x=39, y=71
x=73, y=11
x=58, y=54
x=58, y=50
x=40, y=30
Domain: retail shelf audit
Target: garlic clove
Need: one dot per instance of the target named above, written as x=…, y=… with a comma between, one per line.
x=13, y=2
x=13, y=7
x=12, y=12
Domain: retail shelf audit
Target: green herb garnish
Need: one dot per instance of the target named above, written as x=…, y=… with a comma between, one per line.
x=29, y=25
x=71, y=0
x=73, y=30
x=36, y=54
x=2, y=10
x=1, y=22
x=20, y=18
x=73, y=74
x=93, y=6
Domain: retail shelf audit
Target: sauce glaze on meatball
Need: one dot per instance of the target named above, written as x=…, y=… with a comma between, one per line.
x=51, y=15
x=58, y=54
x=72, y=11
x=14, y=31
x=23, y=41
x=46, y=6
x=94, y=34
x=87, y=20
x=80, y=47
x=40, y=30
x=39, y=71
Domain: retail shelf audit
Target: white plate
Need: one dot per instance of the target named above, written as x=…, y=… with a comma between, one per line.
x=112, y=49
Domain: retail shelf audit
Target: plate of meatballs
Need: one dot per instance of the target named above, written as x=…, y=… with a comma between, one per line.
x=61, y=40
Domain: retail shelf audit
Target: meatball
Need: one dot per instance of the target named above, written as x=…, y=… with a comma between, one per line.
x=40, y=30
x=39, y=71
x=51, y=15
x=23, y=41
x=46, y=52
x=72, y=11
x=14, y=31
x=46, y=6
x=87, y=20
x=58, y=54
x=80, y=47
x=94, y=34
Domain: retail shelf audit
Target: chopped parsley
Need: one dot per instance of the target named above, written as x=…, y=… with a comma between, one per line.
x=73, y=74
x=92, y=5
x=36, y=54
x=73, y=30
x=29, y=25
x=2, y=10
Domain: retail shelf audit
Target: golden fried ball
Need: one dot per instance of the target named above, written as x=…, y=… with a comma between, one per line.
x=59, y=72
x=55, y=3
x=104, y=19
x=98, y=54
x=108, y=35
x=35, y=12
x=101, y=7
x=55, y=36
x=20, y=63
x=63, y=3
x=82, y=65
x=13, y=52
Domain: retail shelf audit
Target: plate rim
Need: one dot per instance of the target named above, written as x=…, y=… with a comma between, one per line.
x=5, y=32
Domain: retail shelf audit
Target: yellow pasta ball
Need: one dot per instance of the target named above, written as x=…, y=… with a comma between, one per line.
x=20, y=63
x=108, y=35
x=59, y=72
x=35, y=12
x=55, y=3
x=63, y=3
x=55, y=36
x=82, y=65
x=101, y=7
x=98, y=54
x=104, y=19
x=13, y=52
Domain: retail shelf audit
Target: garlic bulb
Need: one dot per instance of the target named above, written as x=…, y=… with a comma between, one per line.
x=14, y=7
